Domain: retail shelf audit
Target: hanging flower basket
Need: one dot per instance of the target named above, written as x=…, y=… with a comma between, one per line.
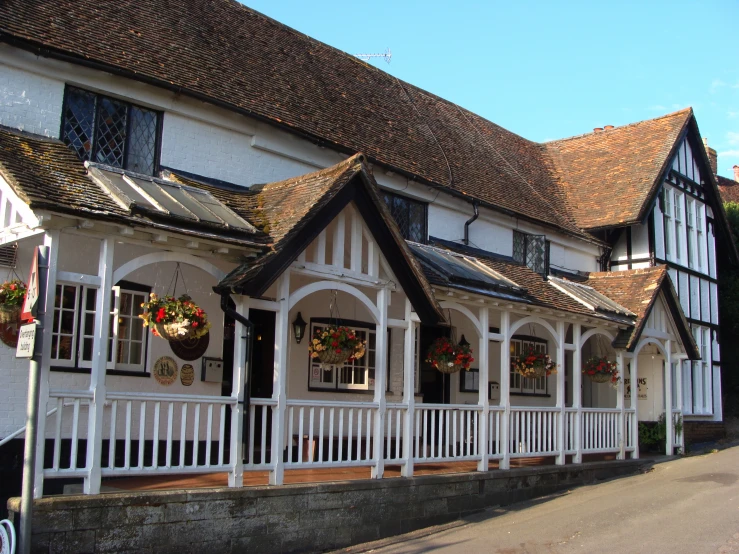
x=601, y=370
x=534, y=365
x=174, y=319
x=12, y=294
x=448, y=357
x=336, y=345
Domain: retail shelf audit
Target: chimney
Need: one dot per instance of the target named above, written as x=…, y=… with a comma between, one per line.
x=712, y=157
x=598, y=129
x=736, y=173
x=607, y=127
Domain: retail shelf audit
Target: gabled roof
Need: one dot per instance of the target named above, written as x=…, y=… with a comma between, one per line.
x=638, y=290
x=627, y=163
x=295, y=211
x=227, y=54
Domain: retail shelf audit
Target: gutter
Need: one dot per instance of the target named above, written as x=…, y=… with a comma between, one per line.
x=229, y=311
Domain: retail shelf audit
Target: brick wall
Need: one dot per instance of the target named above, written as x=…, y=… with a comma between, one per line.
x=697, y=432
x=295, y=518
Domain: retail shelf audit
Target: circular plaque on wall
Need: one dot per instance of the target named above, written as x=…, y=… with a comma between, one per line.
x=165, y=370
x=190, y=349
x=187, y=375
x=9, y=334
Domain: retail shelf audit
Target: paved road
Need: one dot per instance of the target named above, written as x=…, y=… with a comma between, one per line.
x=689, y=505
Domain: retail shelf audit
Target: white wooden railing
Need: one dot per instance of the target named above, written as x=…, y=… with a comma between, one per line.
x=445, y=432
x=495, y=418
x=600, y=430
x=394, y=415
x=533, y=432
x=632, y=430
x=71, y=421
x=259, y=450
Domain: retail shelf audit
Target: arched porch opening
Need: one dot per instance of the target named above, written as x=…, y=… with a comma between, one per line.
x=595, y=344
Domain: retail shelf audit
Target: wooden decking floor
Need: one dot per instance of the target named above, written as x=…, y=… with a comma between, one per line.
x=294, y=476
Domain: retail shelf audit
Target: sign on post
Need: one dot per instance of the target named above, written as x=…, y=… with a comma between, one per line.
x=26, y=341
x=28, y=313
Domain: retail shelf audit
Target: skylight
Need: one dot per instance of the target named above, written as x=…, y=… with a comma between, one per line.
x=132, y=190
x=589, y=297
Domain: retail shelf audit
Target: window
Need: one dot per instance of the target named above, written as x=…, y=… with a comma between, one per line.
x=531, y=250
x=668, y=221
x=519, y=385
x=691, y=230
x=109, y=131
x=410, y=215
x=678, y=225
x=73, y=327
x=700, y=238
x=358, y=375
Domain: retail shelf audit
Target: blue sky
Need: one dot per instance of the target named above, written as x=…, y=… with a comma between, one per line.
x=549, y=70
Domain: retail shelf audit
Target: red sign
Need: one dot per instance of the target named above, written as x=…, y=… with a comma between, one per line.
x=29, y=303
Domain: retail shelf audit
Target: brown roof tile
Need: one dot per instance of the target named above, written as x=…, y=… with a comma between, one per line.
x=624, y=163
x=226, y=53
x=728, y=188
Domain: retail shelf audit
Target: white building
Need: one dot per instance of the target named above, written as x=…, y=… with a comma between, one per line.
x=407, y=213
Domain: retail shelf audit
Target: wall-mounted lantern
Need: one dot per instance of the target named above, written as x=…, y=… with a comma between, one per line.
x=299, y=328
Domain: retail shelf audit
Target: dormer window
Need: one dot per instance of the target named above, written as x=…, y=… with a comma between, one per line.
x=110, y=131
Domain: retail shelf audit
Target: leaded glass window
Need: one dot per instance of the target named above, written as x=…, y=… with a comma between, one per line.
x=410, y=215
x=110, y=131
x=532, y=251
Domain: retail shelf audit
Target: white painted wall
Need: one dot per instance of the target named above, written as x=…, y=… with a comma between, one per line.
x=30, y=102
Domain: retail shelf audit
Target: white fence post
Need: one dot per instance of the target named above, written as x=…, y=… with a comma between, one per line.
x=562, y=447
x=409, y=391
x=380, y=383
x=99, y=365
x=51, y=239
x=279, y=387
x=669, y=422
x=236, y=475
x=505, y=390
x=620, y=406
x=634, y=379
x=577, y=391
x=482, y=360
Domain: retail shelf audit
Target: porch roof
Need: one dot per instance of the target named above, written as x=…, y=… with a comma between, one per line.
x=638, y=290
x=47, y=175
x=294, y=212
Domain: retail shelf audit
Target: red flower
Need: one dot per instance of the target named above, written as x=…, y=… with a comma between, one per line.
x=161, y=314
x=194, y=324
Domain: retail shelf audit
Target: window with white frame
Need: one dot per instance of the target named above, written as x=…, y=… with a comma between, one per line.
x=678, y=203
x=701, y=381
x=74, y=323
x=358, y=375
x=520, y=346
x=667, y=196
x=691, y=230
x=700, y=238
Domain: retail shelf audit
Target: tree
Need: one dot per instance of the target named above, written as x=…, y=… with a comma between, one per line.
x=728, y=283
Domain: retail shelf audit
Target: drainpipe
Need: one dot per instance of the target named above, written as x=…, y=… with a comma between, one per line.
x=229, y=311
x=470, y=221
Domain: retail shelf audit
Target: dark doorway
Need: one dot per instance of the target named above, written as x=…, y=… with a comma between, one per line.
x=263, y=355
x=435, y=386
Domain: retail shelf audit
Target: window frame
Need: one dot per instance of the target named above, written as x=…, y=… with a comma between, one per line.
x=515, y=377
x=336, y=386
x=126, y=287
x=526, y=241
x=127, y=142
x=410, y=201
x=77, y=364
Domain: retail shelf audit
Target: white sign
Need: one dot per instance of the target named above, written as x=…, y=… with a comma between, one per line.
x=642, y=388
x=29, y=303
x=26, y=341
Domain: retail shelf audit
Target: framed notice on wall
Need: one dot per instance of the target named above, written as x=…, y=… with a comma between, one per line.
x=469, y=381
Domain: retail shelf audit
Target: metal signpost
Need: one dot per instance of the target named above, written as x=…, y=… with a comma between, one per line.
x=34, y=309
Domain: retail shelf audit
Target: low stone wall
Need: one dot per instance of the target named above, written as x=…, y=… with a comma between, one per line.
x=291, y=518
x=696, y=432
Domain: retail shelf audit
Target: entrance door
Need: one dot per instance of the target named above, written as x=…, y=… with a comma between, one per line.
x=435, y=386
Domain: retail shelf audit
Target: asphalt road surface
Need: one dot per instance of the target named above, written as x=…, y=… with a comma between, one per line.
x=690, y=505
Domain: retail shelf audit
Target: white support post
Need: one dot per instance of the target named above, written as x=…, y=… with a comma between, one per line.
x=321, y=248
x=238, y=391
x=337, y=259
x=577, y=390
x=505, y=389
x=409, y=391
x=99, y=365
x=634, y=379
x=620, y=405
x=51, y=239
x=483, y=401
x=669, y=426
x=679, y=394
x=383, y=299
x=560, y=396
x=279, y=383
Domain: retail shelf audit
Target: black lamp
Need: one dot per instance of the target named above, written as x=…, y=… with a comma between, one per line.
x=463, y=341
x=299, y=328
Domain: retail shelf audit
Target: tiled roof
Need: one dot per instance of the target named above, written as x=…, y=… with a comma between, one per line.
x=638, y=290
x=228, y=54
x=728, y=188
x=623, y=163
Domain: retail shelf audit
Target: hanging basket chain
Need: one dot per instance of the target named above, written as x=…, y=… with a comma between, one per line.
x=336, y=344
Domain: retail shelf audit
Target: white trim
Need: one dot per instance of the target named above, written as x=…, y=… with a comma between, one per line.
x=159, y=257
x=302, y=292
x=446, y=305
x=592, y=332
x=533, y=319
